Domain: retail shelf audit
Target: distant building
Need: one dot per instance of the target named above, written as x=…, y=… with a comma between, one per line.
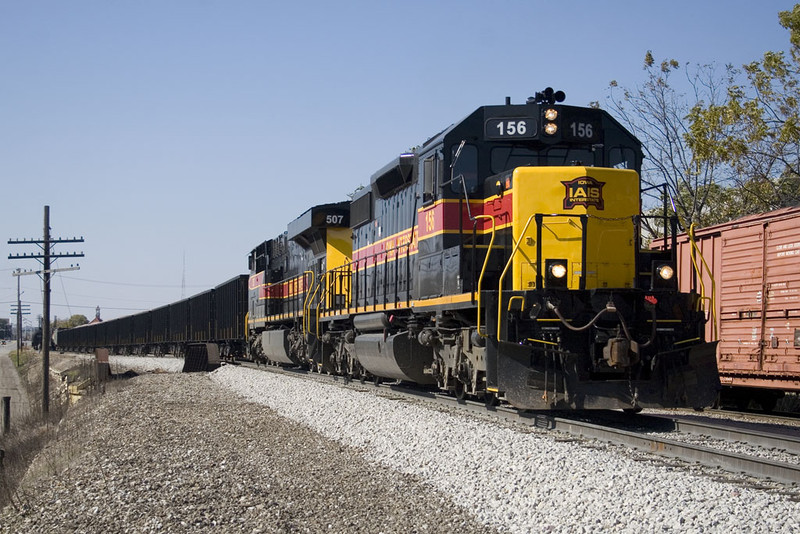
x=97, y=318
x=5, y=328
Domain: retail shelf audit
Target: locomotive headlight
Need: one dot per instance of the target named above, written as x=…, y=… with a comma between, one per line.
x=558, y=270
x=666, y=272
x=550, y=114
x=550, y=128
x=555, y=273
x=663, y=275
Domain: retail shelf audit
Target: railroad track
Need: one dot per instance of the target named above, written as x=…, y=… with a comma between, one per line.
x=757, y=415
x=656, y=434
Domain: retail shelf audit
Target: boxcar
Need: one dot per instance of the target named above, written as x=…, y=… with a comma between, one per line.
x=752, y=281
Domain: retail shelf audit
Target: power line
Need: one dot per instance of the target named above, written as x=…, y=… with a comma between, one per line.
x=157, y=286
x=80, y=306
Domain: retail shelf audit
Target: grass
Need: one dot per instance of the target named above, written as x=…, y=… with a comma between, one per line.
x=25, y=356
x=32, y=434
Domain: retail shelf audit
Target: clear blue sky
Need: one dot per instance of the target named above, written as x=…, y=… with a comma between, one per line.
x=164, y=129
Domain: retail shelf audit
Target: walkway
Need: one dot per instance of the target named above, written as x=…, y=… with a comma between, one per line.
x=11, y=386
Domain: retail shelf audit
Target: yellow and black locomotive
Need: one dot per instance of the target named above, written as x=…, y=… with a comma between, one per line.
x=501, y=259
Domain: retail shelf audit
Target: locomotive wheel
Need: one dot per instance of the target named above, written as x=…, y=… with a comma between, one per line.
x=490, y=399
x=461, y=390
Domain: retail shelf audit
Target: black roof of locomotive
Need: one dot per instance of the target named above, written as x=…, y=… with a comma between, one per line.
x=315, y=218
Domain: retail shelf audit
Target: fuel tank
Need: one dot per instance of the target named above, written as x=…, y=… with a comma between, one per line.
x=275, y=344
x=396, y=356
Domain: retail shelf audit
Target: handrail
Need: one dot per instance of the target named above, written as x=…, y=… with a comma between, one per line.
x=515, y=297
x=503, y=275
x=375, y=264
x=696, y=250
x=342, y=276
x=483, y=269
x=322, y=298
x=305, y=302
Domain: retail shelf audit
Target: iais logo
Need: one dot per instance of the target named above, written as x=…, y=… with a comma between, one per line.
x=583, y=191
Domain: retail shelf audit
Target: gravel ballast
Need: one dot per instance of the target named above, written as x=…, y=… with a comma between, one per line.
x=520, y=481
x=176, y=453
x=182, y=453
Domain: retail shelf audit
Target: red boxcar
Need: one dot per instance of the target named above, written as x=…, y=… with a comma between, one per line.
x=752, y=282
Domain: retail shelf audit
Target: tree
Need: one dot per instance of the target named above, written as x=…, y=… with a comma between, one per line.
x=756, y=130
x=657, y=113
x=75, y=320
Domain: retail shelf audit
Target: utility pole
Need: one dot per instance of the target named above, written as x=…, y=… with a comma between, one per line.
x=45, y=258
x=20, y=311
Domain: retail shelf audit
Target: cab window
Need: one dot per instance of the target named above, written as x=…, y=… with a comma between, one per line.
x=432, y=170
x=466, y=167
x=622, y=158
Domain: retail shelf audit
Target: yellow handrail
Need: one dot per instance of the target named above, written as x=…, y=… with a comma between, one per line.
x=322, y=297
x=515, y=297
x=703, y=296
x=503, y=275
x=483, y=269
x=305, y=302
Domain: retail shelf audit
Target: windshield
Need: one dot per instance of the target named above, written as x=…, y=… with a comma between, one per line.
x=505, y=158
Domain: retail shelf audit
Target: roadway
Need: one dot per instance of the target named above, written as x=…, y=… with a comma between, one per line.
x=11, y=386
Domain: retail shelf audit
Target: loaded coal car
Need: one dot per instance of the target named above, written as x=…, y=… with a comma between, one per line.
x=230, y=316
x=201, y=317
x=159, y=335
x=751, y=280
x=179, y=327
x=214, y=317
x=501, y=259
x=116, y=333
x=141, y=334
x=76, y=339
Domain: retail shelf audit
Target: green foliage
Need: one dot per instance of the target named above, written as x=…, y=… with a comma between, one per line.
x=25, y=356
x=75, y=320
x=756, y=130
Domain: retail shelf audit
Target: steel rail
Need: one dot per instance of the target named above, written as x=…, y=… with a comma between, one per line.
x=707, y=456
x=789, y=443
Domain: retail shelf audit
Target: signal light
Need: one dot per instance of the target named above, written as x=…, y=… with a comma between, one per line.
x=550, y=114
x=550, y=128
